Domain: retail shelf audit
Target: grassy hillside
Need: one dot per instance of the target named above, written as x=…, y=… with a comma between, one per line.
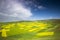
x=30, y=30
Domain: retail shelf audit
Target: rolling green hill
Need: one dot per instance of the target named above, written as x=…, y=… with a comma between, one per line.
x=30, y=30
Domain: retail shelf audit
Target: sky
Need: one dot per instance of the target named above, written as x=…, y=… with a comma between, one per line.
x=17, y=10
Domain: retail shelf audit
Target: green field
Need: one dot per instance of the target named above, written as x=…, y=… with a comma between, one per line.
x=30, y=30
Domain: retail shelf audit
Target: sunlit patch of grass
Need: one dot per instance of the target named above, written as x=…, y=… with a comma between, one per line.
x=4, y=34
x=31, y=30
x=45, y=34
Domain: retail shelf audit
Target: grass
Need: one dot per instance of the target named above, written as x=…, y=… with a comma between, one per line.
x=30, y=30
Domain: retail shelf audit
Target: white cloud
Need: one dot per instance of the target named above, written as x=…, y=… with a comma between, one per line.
x=15, y=9
x=41, y=7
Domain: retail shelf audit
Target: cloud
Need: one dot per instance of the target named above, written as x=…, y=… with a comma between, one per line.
x=13, y=9
x=41, y=7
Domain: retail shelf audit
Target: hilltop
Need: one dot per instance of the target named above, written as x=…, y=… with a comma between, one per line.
x=28, y=30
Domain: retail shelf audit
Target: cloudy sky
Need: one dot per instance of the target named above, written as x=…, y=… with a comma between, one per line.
x=16, y=10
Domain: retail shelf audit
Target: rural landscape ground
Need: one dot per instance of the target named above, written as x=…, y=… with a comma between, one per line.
x=30, y=30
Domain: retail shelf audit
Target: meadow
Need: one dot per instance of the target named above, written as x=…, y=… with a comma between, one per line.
x=30, y=30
